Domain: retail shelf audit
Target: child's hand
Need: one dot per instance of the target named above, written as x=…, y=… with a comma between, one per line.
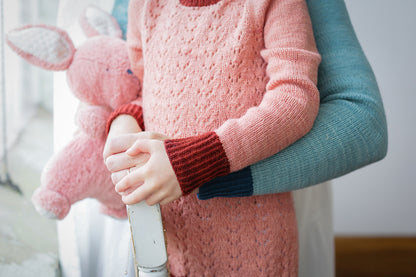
x=115, y=157
x=157, y=178
x=144, y=171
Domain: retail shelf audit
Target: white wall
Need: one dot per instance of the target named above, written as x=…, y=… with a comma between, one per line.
x=380, y=199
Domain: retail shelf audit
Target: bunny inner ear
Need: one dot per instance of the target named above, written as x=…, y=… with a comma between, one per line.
x=44, y=46
x=96, y=21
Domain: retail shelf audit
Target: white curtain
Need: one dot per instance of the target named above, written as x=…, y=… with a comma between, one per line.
x=27, y=88
x=90, y=244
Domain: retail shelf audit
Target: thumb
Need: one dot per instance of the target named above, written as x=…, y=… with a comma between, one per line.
x=140, y=146
x=118, y=144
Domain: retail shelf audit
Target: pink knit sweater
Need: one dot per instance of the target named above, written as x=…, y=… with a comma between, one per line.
x=233, y=82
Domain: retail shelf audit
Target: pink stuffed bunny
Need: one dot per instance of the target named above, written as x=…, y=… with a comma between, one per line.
x=98, y=73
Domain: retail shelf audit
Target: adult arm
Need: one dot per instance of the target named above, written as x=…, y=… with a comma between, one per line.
x=350, y=130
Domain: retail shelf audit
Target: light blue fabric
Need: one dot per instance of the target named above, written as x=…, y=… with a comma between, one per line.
x=350, y=130
x=120, y=11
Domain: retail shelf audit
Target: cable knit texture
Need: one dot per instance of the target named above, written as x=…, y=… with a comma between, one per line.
x=233, y=82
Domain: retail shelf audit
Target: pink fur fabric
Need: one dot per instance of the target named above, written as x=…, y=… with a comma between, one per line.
x=98, y=73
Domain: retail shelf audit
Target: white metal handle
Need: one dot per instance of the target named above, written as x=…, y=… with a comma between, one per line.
x=148, y=240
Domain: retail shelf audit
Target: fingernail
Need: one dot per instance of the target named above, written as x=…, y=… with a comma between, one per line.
x=116, y=188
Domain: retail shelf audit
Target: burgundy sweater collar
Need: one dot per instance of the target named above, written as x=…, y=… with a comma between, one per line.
x=198, y=3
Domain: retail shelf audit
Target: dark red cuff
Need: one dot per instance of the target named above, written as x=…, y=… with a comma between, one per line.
x=197, y=160
x=134, y=110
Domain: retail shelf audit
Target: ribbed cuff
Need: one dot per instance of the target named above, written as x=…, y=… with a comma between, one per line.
x=134, y=110
x=236, y=184
x=197, y=160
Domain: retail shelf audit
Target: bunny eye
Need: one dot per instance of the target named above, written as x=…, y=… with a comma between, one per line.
x=129, y=71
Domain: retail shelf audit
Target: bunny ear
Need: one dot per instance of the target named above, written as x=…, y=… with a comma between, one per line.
x=95, y=21
x=45, y=46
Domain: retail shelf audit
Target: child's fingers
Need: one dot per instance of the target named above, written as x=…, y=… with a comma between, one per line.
x=121, y=143
x=133, y=180
x=129, y=180
x=138, y=195
x=160, y=182
x=142, y=145
x=117, y=144
x=119, y=175
x=121, y=161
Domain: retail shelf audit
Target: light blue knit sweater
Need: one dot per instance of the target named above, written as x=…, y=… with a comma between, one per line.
x=349, y=132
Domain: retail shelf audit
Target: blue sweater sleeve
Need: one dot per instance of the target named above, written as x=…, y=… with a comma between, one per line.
x=119, y=11
x=349, y=132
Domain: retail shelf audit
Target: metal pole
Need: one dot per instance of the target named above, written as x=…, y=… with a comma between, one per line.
x=148, y=240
